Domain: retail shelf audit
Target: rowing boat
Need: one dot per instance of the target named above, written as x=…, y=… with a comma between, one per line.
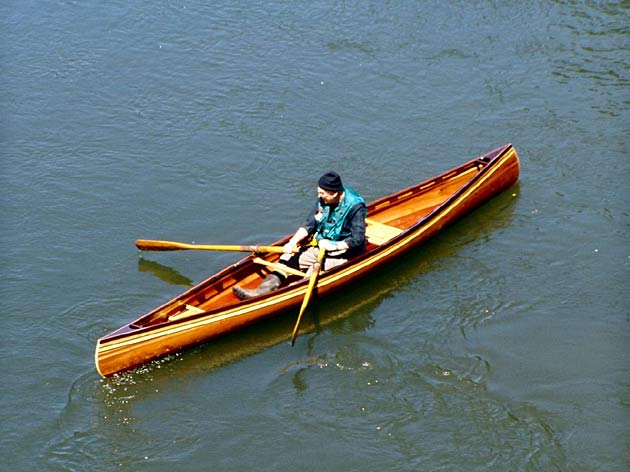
x=395, y=224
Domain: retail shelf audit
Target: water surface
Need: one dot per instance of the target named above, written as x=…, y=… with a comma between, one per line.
x=500, y=345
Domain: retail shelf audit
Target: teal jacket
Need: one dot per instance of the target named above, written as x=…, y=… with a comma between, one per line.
x=344, y=222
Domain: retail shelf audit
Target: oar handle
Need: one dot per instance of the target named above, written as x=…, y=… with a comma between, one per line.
x=153, y=245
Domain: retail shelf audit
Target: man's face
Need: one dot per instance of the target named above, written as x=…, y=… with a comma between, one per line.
x=329, y=198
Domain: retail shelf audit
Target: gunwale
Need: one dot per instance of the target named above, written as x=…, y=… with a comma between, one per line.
x=154, y=335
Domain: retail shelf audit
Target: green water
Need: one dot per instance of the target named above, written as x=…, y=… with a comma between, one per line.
x=503, y=344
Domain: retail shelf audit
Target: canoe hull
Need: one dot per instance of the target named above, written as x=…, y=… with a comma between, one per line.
x=137, y=343
x=132, y=349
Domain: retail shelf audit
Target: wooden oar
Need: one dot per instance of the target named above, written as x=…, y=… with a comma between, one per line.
x=309, y=290
x=279, y=267
x=150, y=245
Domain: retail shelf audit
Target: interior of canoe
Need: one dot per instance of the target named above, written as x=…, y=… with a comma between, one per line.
x=388, y=217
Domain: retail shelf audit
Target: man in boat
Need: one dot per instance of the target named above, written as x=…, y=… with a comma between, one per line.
x=337, y=223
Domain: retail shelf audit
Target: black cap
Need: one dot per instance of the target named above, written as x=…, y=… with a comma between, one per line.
x=330, y=181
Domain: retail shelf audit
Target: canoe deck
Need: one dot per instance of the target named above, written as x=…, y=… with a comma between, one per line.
x=395, y=223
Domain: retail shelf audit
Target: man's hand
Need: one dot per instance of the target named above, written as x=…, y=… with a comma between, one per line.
x=290, y=247
x=328, y=245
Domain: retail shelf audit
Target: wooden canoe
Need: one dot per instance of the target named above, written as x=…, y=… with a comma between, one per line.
x=396, y=223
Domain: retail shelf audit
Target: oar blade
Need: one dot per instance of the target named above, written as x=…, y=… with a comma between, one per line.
x=151, y=245
x=309, y=290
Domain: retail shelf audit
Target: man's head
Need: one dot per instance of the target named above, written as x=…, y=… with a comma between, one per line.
x=330, y=188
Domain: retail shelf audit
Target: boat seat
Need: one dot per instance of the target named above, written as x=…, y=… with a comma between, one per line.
x=188, y=310
x=379, y=233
